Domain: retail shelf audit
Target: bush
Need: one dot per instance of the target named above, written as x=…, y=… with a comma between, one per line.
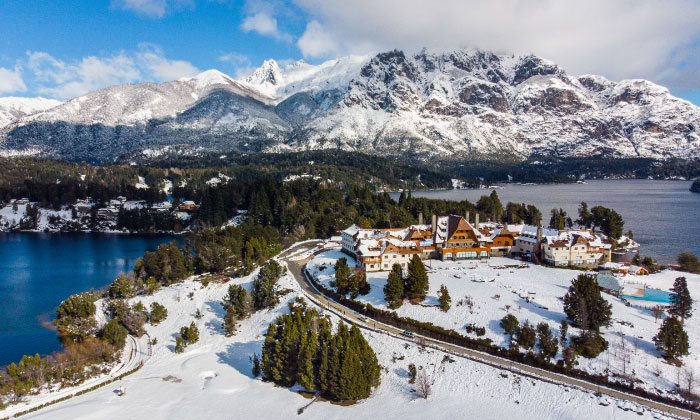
x=188, y=335
x=158, y=313
x=526, y=336
x=114, y=333
x=589, y=344
x=412, y=372
x=510, y=324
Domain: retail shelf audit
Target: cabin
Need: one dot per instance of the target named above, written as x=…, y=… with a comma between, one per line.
x=187, y=206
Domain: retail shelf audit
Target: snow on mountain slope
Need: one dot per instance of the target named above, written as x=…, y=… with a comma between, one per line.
x=12, y=108
x=473, y=101
x=281, y=83
x=434, y=104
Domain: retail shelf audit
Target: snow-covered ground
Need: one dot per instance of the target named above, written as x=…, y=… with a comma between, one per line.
x=10, y=218
x=51, y=220
x=535, y=294
x=212, y=378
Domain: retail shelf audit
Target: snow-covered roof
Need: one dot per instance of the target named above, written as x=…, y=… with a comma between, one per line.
x=374, y=247
x=570, y=237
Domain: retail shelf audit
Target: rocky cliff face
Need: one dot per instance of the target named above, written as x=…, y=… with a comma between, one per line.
x=448, y=105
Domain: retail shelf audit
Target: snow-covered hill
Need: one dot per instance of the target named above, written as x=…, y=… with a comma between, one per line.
x=448, y=105
x=212, y=379
x=12, y=108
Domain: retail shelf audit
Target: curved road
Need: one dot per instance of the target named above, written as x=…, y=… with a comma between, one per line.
x=296, y=267
x=132, y=356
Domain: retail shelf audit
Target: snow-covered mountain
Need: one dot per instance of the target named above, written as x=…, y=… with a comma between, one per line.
x=447, y=105
x=12, y=108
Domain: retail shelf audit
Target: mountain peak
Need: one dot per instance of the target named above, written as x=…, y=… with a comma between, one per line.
x=267, y=74
x=208, y=78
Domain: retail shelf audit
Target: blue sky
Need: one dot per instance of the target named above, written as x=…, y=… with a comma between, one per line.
x=63, y=48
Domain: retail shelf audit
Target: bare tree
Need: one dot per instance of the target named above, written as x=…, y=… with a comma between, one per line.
x=623, y=353
x=424, y=384
x=657, y=310
x=690, y=380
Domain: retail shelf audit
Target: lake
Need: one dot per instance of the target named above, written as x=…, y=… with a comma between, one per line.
x=39, y=270
x=663, y=215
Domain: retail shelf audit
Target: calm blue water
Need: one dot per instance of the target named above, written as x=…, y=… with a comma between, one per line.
x=663, y=215
x=652, y=295
x=39, y=270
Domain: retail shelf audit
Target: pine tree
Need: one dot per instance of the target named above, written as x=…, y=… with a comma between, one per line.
x=322, y=358
x=393, y=290
x=510, y=324
x=342, y=273
x=307, y=353
x=268, y=352
x=417, y=279
x=671, y=338
x=681, y=302
x=526, y=336
x=585, y=306
x=549, y=345
x=256, y=366
x=444, y=298
x=563, y=331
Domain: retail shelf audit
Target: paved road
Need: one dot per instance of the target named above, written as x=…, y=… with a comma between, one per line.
x=296, y=267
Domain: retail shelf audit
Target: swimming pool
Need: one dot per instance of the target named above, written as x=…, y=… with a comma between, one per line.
x=652, y=295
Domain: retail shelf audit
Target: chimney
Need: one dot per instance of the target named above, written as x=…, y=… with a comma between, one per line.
x=476, y=220
x=434, y=223
x=539, y=235
x=420, y=218
x=466, y=216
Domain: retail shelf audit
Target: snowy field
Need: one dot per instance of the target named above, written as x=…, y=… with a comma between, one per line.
x=212, y=378
x=535, y=294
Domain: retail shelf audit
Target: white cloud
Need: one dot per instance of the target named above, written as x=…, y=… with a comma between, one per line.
x=161, y=68
x=233, y=58
x=151, y=8
x=64, y=80
x=317, y=41
x=11, y=81
x=616, y=38
x=265, y=25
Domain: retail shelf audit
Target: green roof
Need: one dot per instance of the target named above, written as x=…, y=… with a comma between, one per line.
x=609, y=282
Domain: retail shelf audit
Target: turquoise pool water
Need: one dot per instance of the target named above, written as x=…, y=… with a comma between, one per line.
x=652, y=295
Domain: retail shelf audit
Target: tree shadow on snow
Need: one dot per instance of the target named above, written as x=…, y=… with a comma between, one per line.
x=535, y=308
x=238, y=356
x=214, y=325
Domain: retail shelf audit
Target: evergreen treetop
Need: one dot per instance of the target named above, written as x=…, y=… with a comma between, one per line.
x=585, y=306
x=681, y=302
x=416, y=286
